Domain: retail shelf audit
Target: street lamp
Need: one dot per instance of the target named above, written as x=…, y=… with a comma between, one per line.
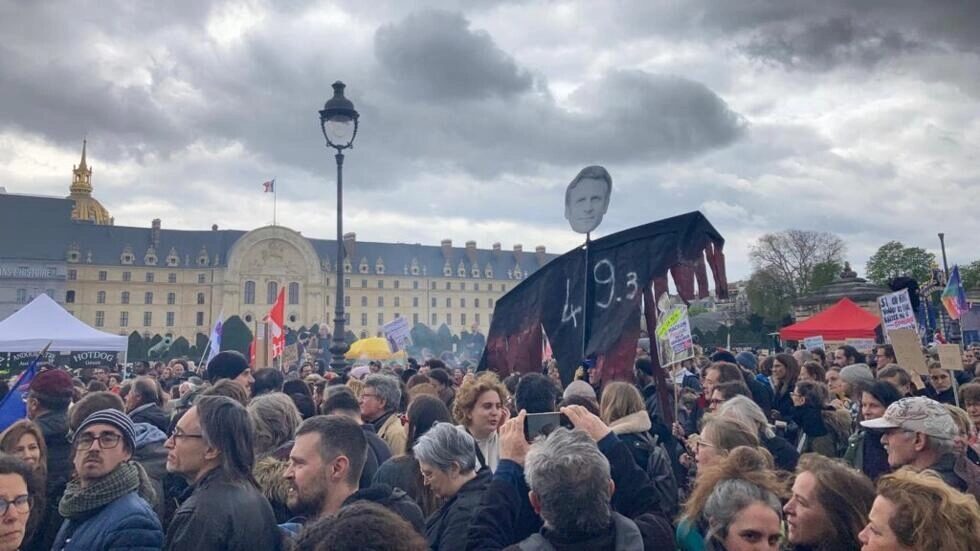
x=338, y=120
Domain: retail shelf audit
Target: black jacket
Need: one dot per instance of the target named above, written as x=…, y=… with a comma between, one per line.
x=761, y=393
x=54, y=428
x=784, y=454
x=378, y=453
x=221, y=514
x=505, y=516
x=394, y=500
x=152, y=414
x=446, y=529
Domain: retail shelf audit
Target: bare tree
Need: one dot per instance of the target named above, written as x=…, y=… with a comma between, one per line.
x=792, y=255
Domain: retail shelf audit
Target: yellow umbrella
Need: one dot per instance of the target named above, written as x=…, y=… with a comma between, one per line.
x=372, y=348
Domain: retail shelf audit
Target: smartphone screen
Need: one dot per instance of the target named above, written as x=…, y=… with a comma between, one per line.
x=537, y=424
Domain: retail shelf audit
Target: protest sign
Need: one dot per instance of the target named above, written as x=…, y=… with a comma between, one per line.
x=950, y=357
x=896, y=312
x=813, y=342
x=908, y=351
x=290, y=355
x=674, y=340
x=398, y=334
x=861, y=345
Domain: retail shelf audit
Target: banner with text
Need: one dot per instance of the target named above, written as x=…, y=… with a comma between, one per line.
x=674, y=339
x=398, y=334
x=896, y=311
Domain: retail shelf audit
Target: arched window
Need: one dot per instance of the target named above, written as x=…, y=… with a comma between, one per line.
x=272, y=289
x=249, y=292
x=294, y=293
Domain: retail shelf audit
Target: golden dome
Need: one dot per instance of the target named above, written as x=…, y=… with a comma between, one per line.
x=86, y=207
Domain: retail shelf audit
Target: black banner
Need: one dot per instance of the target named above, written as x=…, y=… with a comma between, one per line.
x=13, y=363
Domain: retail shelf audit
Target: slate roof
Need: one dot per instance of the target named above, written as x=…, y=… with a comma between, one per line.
x=43, y=226
x=33, y=227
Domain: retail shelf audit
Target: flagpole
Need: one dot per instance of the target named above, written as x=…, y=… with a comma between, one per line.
x=275, y=195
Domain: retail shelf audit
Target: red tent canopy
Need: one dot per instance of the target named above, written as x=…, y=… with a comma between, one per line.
x=844, y=320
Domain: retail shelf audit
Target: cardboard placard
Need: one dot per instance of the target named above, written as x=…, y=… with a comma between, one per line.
x=908, y=351
x=950, y=357
x=861, y=345
x=813, y=342
x=290, y=355
x=896, y=311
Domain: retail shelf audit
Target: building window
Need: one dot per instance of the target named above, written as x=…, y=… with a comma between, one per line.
x=124, y=297
x=398, y=302
x=449, y=319
x=476, y=303
x=170, y=319
x=415, y=319
x=476, y=318
x=381, y=318
x=433, y=320
x=149, y=277
x=69, y=297
x=397, y=284
x=415, y=285
x=123, y=319
x=326, y=300
x=381, y=284
x=100, y=319
x=148, y=298
x=381, y=302
x=449, y=302
x=49, y=292
x=347, y=301
x=462, y=303
x=397, y=315
x=200, y=319
x=147, y=319
x=489, y=303
x=363, y=301
x=127, y=276
x=271, y=292
x=415, y=302
x=462, y=285
x=21, y=296
x=72, y=275
x=347, y=319
x=433, y=302
x=503, y=288
x=476, y=286
x=294, y=293
x=363, y=284
x=202, y=278
x=100, y=297
x=449, y=285
x=432, y=285
x=462, y=319
x=364, y=334
x=347, y=283
x=171, y=298
x=249, y=292
x=363, y=320
x=103, y=275
x=171, y=277
x=200, y=298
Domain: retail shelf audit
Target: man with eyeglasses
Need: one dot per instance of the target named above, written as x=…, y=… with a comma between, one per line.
x=106, y=505
x=919, y=433
x=379, y=401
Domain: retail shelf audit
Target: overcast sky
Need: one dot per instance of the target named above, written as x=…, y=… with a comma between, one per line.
x=859, y=118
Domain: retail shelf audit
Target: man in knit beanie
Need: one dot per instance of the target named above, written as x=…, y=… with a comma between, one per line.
x=106, y=507
x=231, y=364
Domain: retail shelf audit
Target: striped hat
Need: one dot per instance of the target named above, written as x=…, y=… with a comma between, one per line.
x=115, y=418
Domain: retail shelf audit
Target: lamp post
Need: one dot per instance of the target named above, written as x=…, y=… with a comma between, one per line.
x=338, y=120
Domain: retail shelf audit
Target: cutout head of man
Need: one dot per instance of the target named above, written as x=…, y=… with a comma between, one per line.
x=587, y=198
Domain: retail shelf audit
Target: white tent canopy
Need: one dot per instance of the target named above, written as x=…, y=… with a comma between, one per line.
x=32, y=327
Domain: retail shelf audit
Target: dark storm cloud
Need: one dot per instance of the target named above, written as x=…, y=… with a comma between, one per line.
x=823, y=45
x=435, y=55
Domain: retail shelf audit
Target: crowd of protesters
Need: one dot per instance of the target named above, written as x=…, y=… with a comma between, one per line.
x=801, y=450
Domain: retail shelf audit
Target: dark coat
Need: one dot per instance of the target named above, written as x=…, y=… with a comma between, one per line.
x=403, y=472
x=505, y=516
x=54, y=428
x=622, y=535
x=152, y=414
x=221, y=514
x=127, y=523
x=151, y=454
x=378, y=453
x=446, y=529
x=761, y=393
x=784, y=454
x=393, y=499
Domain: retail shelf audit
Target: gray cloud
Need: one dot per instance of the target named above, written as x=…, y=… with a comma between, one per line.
x=435, y=55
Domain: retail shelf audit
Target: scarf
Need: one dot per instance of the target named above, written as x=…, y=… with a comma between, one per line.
x=127, y=477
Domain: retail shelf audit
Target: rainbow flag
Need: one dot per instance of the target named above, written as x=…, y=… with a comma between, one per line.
x=954, y=297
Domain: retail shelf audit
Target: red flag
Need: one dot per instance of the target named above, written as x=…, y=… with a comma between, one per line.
x=277, y=325
x=251, y=353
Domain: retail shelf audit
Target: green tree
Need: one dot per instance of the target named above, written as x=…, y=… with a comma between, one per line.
x=179, y=349
x=770, y=296
x=893, y=259
x=137, y=347
x=792, y=256
x=235, y=335
x=970, y=275
x=825, y=273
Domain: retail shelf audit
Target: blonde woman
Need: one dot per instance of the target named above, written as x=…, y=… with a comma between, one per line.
x=918, y=511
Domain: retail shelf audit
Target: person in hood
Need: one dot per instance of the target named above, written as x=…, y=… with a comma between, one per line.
x=104, y=507
x=275, y=418
x=143, y=403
